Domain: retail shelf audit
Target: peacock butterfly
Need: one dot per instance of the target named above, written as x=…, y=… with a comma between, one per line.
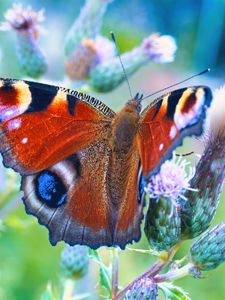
x=83, y=166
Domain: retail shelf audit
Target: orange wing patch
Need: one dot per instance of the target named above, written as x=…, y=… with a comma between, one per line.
x=42, y=124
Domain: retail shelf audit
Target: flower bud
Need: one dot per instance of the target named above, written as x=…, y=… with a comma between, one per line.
x=162, y=224
x=198, y=212
x=87, y=25
x=25, y=22
x=74, y=261
x=143, y=289
x=87, y=55
x=208, y=252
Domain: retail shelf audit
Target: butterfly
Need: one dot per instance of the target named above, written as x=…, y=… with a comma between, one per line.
x=83, y=166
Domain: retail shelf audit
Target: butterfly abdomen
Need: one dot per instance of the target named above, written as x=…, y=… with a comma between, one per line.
x=124, y=150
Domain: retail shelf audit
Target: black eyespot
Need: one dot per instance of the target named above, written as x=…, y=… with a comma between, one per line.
x=50, y=189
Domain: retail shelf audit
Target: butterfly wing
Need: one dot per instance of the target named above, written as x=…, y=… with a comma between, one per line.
x=164, y=124
x=74, y=199
x=55, y=139
x=70, y=198
x=43, y=124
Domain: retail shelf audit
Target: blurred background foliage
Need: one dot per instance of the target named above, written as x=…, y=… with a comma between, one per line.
x=27, y=260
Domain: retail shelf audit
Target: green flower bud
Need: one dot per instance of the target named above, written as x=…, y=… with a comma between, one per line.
x=162, y=224
x=198, y=212
x=143, y=289
x=208, y=252
x=30, y=57
x=108, y=75
x=25, y=22
x=87, y=25
x=74, y=261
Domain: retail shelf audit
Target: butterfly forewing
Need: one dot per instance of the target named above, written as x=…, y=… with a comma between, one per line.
x=164, y=124
x=42, y=124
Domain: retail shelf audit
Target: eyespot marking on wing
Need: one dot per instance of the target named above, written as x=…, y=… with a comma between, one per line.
x=50, y=189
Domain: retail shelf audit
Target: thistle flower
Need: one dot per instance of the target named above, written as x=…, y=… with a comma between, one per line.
x=25, y=22
x=208, y=252
x=107, y=75
x=172, y=179
x=88, y=54
x=87, y=25
x=144, y=289
x=198, y=212
x=160, y=48
x=74, y=261
x=162, y=224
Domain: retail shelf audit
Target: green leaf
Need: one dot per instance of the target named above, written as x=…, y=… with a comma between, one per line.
x=104, y=271
x=105, y=279
x=172, y=292
x=52, y=292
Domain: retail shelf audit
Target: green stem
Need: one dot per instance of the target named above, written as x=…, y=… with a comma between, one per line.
x=154, y=269
x=174, y=274
x=115, y=271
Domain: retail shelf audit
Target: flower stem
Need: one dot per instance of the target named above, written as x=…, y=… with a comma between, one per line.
x=174, y=274
x=115, y=270
x=154, y=269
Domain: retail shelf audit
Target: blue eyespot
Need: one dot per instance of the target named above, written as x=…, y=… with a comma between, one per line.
x=50, y=189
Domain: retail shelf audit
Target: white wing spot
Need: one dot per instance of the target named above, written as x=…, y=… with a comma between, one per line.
x=173, y=132
x=161, y=147
x=24, y=140
x=14, y=124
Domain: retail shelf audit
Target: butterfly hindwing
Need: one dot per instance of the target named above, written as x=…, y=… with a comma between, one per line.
x=164, y=124
x=43, y=124
x=73, y=199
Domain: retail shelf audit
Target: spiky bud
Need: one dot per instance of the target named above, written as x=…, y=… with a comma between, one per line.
x=162, y=225
x=198, y=212
x=25, y=22
x=87, y=25
x=74, y=261
x=108, y=75
x=143, y=289
x=208, y=252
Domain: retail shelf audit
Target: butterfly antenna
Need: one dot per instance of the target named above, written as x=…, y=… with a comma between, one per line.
x=201, y=73
x=124, y=71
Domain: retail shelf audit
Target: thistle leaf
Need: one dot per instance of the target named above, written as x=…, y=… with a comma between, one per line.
x=173, y=292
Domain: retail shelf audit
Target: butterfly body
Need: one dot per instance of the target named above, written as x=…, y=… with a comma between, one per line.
x=83, y=166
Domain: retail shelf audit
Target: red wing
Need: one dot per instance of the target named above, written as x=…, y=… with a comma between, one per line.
x=164, y=124
x=42, y=124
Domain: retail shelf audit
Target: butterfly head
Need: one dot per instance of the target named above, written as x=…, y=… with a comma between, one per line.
x=135, y=103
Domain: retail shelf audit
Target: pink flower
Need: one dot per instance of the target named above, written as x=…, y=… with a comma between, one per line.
x=160, y=48
x=172, y=180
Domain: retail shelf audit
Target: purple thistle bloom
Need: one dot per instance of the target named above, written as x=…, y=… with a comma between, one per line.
x=172, y=180
x=160, y=48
